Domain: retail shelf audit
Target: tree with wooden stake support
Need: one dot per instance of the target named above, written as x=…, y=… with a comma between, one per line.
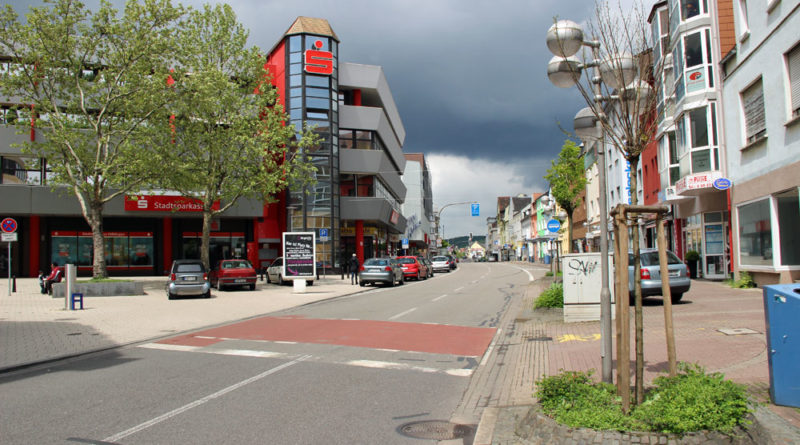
x=623, y=107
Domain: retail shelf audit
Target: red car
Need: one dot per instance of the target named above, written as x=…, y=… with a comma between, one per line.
x=412, y=267
x=228, y=273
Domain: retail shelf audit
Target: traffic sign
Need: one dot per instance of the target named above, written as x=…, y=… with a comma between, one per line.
x=323, y=234
x=553, y=225
x=8, y=237
x=476, y=209
x=9, y=225
x=405, y=243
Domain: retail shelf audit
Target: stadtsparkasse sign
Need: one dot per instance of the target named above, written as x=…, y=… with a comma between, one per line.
x=299, y=253
x=317, y=61
x=164, y=203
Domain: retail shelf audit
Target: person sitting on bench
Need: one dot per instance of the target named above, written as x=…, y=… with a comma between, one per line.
x=56, y=274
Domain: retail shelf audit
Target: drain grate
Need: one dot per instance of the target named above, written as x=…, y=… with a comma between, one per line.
x=539, y=338
x=435, y=430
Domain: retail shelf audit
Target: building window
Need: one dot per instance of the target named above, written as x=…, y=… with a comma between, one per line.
x=793, y=67
x=753, y=107
x=755, y=234
x=744, y=26
x=788, y=222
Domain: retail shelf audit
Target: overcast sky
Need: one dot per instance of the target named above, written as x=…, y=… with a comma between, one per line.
x=469, y=79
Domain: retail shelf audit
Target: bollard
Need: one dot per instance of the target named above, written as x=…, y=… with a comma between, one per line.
x=14, y=285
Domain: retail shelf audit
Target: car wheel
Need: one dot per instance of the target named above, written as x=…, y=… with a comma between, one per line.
x=253, y=286
x=391, y=283
x=268, y=280
x=220, y=287
x=402, y=280
x=280, y=280
x=207, y=294
x=417, y=276
x=362, y=284
x=676, y=297
x=170, y=296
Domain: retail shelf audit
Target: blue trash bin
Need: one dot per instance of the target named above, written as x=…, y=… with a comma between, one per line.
x=547, y=259
x=782, y=310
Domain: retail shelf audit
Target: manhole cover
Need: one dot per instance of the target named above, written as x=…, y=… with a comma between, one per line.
x=737, y=331
x=435, y=430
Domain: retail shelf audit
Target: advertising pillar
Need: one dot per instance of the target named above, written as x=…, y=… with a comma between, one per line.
x=360, y=241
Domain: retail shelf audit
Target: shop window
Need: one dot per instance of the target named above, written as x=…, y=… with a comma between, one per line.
x=753, y=107
x=793, y=65
x=788, y=223
x=755, y=234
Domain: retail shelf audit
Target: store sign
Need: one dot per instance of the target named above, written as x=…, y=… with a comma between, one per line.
x=316, y=61
x=299, y=253
x=164, y=203
x=722, y=184
x=695, y=80
x=696, y=181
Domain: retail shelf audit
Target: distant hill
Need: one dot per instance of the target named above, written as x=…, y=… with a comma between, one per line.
x=463, y=241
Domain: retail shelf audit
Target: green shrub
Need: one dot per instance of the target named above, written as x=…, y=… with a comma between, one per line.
x=692, y=255
x=694, y=401
x=745, y=281
x=549, y=273
x=691, y=401
x=553, y=296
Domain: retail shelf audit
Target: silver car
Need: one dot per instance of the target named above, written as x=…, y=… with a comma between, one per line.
x=679, y=281
x=188, y=277
x=441, y=263
x=275, y=273
x=381, y=270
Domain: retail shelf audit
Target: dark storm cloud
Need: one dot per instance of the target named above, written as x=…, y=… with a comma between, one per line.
x=469, y=77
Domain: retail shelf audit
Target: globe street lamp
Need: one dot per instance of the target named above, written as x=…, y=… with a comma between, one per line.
x=564, y=39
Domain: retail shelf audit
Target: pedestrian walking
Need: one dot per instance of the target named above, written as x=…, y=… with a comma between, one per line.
x=353, y=268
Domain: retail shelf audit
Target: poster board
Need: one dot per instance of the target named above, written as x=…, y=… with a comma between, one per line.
x=299, y=255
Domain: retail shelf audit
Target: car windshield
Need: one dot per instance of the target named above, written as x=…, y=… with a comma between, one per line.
x=651, y=258
x=376, y=262
x=406, y=260
x=439, y=258
x=191, y=267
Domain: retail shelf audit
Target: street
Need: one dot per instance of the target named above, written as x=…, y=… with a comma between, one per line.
x=353, y=369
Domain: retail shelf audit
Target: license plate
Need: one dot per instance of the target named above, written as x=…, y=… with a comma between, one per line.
x=674, y=274
x=240, y=280
x=190, y=278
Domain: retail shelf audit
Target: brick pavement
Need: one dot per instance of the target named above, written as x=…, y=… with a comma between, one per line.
x=542, y=344
x=36, y=328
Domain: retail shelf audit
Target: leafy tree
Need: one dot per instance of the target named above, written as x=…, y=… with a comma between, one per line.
x=567, y=178
x=229, y=139
x=93, y=82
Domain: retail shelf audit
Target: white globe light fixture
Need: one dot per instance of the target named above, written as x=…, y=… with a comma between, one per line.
x=637, y=91
x=564, y=72
x=565, y=38
x=585, y=125
x=618, y=71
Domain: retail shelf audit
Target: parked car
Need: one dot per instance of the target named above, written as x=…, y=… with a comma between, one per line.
x=453, y=262
x=441, y=263
x=380, y=270
x=275, y=273
x=679, y=281
x=188, y=277
x=230, y=273
x=412, y=268
x=428, y=265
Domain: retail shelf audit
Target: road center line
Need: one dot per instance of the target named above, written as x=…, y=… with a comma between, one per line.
x=119, y=436
x=458, y=289
x=439, y=297
x=403, y=313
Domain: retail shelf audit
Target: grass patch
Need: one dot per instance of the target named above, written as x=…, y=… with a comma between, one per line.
x=553, y=296
x=745, y=281
x=691, y=401
x=105, y=280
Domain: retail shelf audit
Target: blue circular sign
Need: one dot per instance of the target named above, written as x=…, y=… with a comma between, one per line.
x=722, y=184
x=553, y=225
x=9, y=225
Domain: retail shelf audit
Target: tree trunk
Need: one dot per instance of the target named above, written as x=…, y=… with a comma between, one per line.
x=569, y=232
x=204, y=257
x=637, y=289
x=95, y=220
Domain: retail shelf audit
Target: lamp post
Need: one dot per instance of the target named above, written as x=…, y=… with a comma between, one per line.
x=439, y=213
x=564, y=39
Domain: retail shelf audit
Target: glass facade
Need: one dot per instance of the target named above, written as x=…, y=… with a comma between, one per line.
x=313, y=101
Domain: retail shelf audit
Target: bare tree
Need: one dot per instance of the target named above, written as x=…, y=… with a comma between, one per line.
x=623, y=102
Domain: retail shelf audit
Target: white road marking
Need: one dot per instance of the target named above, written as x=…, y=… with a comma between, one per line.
x=119, y=436
x=458, y=289
x=530, y=277
x=166, y=347
x=404, y=367
x=490, y=348
x=439, y=297
x=395, y=317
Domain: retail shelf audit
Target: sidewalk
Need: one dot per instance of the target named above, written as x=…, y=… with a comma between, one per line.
x=721, y=328
x=36, y=328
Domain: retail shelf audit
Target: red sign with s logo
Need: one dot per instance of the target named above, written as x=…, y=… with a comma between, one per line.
x=317, y=61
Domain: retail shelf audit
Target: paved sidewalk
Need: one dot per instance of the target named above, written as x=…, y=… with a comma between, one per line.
x=36, y=328
x=540, y=343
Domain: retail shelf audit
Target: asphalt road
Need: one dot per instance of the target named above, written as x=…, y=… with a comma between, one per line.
x=349, y=370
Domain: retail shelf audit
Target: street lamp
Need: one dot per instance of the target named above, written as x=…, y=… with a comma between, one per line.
x=564, y=39
x=439, y=213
